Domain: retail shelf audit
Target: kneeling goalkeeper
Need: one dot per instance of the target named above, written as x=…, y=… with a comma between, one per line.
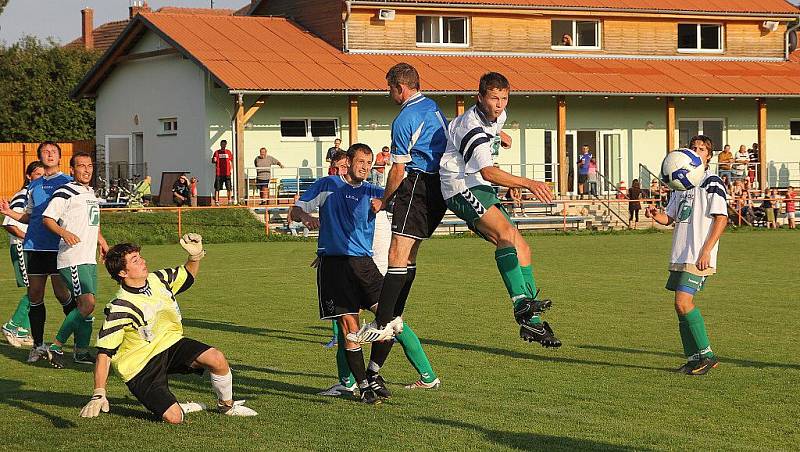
x=142, y=337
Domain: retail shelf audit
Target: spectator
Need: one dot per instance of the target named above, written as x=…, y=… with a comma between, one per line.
x=566, y=40
x=791, y=207
x=193, y=190
x=264, y=165
x=768, y=205
x=591, y=177
x=752, y=168
x=725, y=159
x=142, y=193
x=338, y=164
x=181, y=192
x=634, y=206
x=223, y=161
x=742, y=158
x=514, y=197
x=583, y=168
x=337, y=143
x=379, y=168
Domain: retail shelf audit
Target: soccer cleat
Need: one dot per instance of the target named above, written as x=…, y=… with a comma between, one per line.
x=238, y=409
x=419, y=384
x=397, y=325
x=12, y=335
x=529, y=307
x=55, y=358
x=705, y=364
x=378, y=385
x=370, y=332
x=339, y=389
x=690, y=364
x=192, y=407
x=83, y=357
x=542, y=334
x=37, y=353
x=332, y=343
x=369, y=397
x=28, y=341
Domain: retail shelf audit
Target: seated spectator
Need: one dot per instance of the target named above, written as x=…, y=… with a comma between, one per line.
x=514, y=197
x=725, y=159
x=338, y=164
x=181, y=193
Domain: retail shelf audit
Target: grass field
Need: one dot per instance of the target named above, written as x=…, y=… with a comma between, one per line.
x=608, y=388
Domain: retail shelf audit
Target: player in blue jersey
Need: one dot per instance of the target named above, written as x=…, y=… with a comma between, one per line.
x=41, y=246
x=418, y=141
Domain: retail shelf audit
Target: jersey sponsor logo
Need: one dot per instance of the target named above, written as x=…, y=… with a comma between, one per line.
x=685, y=208
x=496, y=146
x=94, y=213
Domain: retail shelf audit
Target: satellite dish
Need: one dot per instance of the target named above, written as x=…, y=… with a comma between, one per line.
x=792, y=41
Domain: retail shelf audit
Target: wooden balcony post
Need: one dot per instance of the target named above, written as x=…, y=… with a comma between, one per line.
x=762, y=143
x=353, y=120
x=561, y=125
x=241, y=189
x=670, y=124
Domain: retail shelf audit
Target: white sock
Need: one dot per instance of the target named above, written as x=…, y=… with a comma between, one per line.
x=222, y=386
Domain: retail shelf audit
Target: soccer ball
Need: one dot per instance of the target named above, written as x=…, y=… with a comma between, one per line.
x=682, y=169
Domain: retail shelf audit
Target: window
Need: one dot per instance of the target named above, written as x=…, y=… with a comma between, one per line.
x=169, y=126
x=306, y=129
x=699, y=38
x=794, y=129
x=575, y=34
x=713, y=128
x=441, y=31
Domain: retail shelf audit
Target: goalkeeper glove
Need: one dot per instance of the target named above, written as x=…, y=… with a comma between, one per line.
x=98, y=403
x=193, y=244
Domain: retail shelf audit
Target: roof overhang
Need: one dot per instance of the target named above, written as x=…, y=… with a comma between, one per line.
x=248, y=92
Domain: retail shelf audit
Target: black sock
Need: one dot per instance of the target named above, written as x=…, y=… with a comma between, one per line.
x=377, y=356
x=69, y=306
x=355, y=359
x=400, y=306
x=37, y=315
x=393, y=283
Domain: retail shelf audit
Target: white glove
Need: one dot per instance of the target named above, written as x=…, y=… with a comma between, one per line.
x=193, y=244
x=98, y=403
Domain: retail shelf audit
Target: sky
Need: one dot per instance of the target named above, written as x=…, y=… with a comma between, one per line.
x=61, y=19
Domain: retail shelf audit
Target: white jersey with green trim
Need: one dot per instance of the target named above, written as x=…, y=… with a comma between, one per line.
x=472, y=143
x=76, y=209
x=17, y=204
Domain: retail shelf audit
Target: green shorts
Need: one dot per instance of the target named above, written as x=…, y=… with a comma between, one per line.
x=471, y=204
x=685, y=282
x=81, y=279
x=18, y=262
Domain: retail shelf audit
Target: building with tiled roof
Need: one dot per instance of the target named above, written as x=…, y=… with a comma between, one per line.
x=632, y=79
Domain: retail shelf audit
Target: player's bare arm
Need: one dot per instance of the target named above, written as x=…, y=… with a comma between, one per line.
x=309, y=221
x=505, y=140
x=98, y=402
x=5, y=209
x=101, y=242
x=14, y=231
x=717, y=228
x=497, y=176
x=396, y=174
x=68, y=237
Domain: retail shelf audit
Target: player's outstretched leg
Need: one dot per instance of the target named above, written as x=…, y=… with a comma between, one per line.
x=222, y=383
x=412, y=347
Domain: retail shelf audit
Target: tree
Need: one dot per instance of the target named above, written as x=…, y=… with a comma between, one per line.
x=3, y=4
x=35, y=80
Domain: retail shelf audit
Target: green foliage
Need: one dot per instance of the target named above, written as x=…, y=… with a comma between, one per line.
x=3, y=4
x=35, y=81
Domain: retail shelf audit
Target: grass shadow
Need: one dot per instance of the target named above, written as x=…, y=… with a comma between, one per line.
x=725, y=359
x=250, y=387
x=249, y=330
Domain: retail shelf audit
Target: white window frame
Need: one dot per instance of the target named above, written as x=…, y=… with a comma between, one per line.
x=308, y=136
x=598, y=34
x=173, y=121
x=701, y=131
x=793, y=137
x=720, y=35
x=441, y=32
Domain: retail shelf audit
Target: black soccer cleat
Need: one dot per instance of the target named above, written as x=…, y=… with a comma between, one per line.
x=55, y=358
x=378, y=385
x=369, y=397
x=542, y=334
x=530, y=307
x=706, y=364
x=687, y=367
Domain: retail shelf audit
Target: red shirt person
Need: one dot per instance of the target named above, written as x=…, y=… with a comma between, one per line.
x=223, y=159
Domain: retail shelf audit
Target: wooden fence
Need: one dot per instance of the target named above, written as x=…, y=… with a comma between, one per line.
x=14, y=157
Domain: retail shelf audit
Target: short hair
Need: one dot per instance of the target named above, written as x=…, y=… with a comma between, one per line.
x=46, y=143
x=337, y=139
x=75, y=157
x=115, y=258
x=356, y=148
x=705, y=139
x=223, y=141
x=385, y=148
x=493, y=80
x=338, y=155
x=403, y=74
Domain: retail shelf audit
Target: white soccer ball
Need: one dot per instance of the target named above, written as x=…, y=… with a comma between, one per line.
x=682, y=169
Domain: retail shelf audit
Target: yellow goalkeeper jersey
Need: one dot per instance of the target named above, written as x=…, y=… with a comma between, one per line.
x=142, y=322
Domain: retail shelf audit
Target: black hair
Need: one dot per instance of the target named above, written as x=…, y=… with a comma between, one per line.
x=492, y=80
x=32, y=166
x=115, y=258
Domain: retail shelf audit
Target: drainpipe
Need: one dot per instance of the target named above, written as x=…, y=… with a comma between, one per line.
x=349, y=5
x=786, y=38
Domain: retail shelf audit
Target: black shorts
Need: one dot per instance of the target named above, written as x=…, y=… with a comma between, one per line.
x=346, y=285
x=150, y=385
x=582, y=178
x=41, y=263
x=219, y=181
x=262, y=182
x=418, y=206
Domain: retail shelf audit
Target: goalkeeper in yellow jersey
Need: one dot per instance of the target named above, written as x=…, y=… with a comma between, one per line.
x=142, y=337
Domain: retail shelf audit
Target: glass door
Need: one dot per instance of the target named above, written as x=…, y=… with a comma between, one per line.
x=610, y=163
x=551, y=157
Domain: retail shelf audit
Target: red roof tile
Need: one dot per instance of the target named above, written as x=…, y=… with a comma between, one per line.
x=104, y=35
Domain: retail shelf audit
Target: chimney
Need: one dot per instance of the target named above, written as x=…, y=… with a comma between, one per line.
x=138, y=6
x=87, y=22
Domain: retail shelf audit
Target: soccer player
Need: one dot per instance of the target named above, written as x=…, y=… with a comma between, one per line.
x=142, y=337
x=41, y=246
x=467, y=174
x=700, y=216
x=74, y=215
x=418, y=142
x=223, y=165
x=17, y=329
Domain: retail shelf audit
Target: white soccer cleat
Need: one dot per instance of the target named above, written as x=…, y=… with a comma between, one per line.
x=370, y=333
x=397, y=325
x=419, y=384
x=12, y=338
x=238, y=409
x=192, y=407
x=38, y=353
x=339, y=389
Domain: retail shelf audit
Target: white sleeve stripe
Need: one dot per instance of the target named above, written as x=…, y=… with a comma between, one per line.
x=313, y=204
x=394, y=158
x=415, y=136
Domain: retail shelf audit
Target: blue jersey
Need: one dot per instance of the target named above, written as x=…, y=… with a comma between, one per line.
x=37, y=237
x=419, y=135
x=347, y=222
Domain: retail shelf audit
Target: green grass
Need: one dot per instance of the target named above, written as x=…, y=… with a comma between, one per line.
x=609, y=387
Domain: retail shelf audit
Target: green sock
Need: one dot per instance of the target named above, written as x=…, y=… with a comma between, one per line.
x=72, y=322
x=697, y=326
x=689, y=346
x=345, y=376
x=530, y=283
x=335, y=327
x=508, y=265
x=20, y=317
x=415, y=354
x=83, y=334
